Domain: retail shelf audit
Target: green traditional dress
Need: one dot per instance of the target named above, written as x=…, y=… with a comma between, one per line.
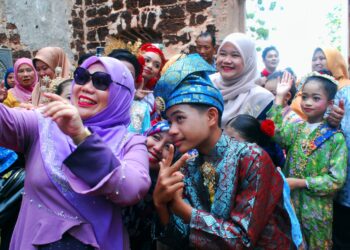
x=319, y=156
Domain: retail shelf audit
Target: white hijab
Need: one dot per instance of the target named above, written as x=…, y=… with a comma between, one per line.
x=241, y=94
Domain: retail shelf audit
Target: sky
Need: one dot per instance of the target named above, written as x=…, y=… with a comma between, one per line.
x=300, y=28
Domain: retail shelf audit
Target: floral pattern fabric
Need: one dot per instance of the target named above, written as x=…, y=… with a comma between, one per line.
x=319, y=156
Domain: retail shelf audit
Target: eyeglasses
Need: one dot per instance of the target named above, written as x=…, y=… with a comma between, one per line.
x=100, y=80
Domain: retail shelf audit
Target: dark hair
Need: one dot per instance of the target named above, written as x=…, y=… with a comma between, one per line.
x=208, y=34
x=83, y=57
x=249, y=128
x=329, y=87
x=204, y=107
x=279, y=74
x=62, y=85
x=325, y=72
x=126, y=55
x=267, y=49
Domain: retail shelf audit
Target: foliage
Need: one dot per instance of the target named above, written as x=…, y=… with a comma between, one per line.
x=257, y=12
x=334, y=26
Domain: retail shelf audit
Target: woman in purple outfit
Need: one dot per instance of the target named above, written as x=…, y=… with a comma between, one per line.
x=82, y=165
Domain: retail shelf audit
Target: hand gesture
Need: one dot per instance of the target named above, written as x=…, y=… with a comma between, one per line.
x=141, y=93
x=336, y=115
x=65, y=115
x=169, y=179
x=3, y=92
x=284, y=86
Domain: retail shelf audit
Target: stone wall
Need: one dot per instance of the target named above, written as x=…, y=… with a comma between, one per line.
x=80, y=26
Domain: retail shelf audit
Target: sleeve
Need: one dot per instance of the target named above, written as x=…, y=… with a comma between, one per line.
x=283, y=133
x=332, y=181
x=260, y=189
x=18, y=128
x=93, y=169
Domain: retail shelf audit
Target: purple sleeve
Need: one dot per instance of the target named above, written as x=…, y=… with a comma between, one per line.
x=99, y=172
x=18, y=128
x=92, y=156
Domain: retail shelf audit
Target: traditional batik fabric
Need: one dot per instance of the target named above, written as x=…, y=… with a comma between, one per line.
x=319, y=156
x=343, y=196
x=237, y=203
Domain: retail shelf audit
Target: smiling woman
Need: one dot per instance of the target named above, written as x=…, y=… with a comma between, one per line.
x=237, y=66
x=25, y=80
x=82, y=164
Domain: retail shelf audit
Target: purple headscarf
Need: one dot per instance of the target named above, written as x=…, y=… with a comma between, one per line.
x=112, y=122
x=23, y=94
x=111, y=125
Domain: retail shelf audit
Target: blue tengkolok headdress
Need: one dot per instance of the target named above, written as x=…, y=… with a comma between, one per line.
x=187, y=81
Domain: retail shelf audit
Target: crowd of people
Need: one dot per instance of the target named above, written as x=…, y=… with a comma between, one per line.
x=132, y=150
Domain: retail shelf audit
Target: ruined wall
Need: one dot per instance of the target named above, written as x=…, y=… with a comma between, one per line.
x=175, y=23
x=28, y=25
x=80, y=26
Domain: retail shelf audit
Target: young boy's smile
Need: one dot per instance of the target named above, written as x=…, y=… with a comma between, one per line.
x=189, y=127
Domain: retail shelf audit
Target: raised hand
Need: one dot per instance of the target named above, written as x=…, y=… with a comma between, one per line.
x=3, y=91
x=66, y=116
x=283, y=87
x=169, y=179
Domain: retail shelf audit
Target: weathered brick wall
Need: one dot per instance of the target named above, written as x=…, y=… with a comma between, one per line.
x=175, y=23
x=80, y=26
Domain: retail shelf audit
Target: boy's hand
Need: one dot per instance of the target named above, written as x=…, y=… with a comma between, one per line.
x=283, y=87
x=169, y=179
x=336, y=115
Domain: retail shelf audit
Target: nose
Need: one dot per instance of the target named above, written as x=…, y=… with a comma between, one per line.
x=158, y=146
x=88, y=87
x=173, y=130
x=227, y=59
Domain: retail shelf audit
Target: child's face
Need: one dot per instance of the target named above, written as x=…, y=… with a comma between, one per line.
x=234, y=133
x=271, y=86
x=314, y=101
x=189, y=127
x=158, y=148
x=66, y=92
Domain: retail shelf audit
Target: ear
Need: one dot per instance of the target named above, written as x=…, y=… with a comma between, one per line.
x=213, y=116
x=287, y=97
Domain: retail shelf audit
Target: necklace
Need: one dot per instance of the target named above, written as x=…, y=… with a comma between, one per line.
x=209, y=178
x=308, y=146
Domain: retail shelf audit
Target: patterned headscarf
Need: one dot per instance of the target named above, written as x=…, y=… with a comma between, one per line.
x=8, y=71
x=187, y=81
x=162, y=126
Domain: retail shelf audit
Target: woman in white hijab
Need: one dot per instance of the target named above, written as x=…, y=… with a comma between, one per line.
x=237, y=72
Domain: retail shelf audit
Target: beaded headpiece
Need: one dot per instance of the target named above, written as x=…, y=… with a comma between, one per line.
x=317, y=74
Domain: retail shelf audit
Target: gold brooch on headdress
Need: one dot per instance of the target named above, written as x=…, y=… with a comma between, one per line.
x=160, y=104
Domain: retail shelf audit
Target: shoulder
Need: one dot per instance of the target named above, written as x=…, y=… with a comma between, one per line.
x=258, y=90
x=132, y=139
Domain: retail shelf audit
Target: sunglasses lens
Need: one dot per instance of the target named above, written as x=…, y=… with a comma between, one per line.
x=81, y=76
x=101, y=80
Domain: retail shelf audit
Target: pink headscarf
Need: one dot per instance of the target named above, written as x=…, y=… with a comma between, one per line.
x=21, y=93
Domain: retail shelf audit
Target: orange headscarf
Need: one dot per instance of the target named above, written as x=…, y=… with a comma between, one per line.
x=337, y=66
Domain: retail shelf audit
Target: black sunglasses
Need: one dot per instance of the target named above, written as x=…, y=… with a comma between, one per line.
x=100, y=80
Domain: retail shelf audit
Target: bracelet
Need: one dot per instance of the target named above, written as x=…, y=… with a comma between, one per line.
x=80, y=138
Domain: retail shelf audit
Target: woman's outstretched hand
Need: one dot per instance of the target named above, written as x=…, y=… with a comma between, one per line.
x=66, y=116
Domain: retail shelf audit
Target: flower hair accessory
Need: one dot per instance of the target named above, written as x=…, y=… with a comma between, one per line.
x=268, y=127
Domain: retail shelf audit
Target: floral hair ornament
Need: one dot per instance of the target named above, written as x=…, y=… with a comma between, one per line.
x=317, y=74
x=268, y=127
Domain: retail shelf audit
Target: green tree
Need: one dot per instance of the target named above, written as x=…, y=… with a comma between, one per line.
x=256, y=15
x=334, y=26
